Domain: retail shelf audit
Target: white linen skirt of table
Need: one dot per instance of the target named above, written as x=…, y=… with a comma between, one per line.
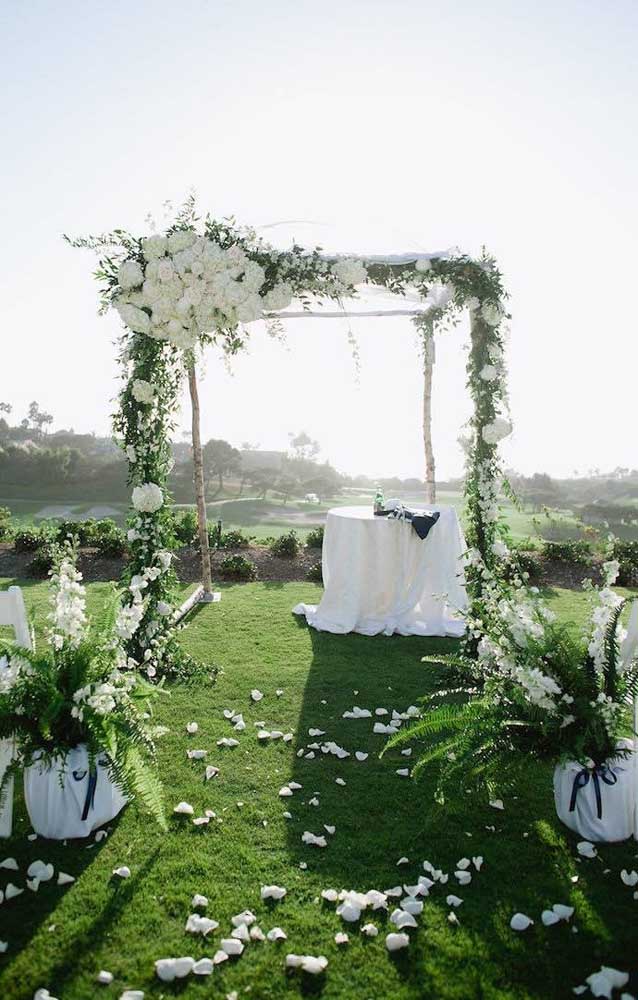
x=380, y=577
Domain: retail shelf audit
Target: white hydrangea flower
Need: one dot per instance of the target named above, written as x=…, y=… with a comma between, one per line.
x=278, y=297
x=498, y=429
x=350, y=271
x=132, y=316
x=143, y=391
x=154, y=246
x=488, y=373
x=422, y=265
x=180, y=240
x=147, y=498
x=130, y=275
x=492, y=313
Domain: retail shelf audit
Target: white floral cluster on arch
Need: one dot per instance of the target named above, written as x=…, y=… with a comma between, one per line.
x=198, y=284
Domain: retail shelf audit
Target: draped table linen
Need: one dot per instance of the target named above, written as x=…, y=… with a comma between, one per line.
x=381, y=578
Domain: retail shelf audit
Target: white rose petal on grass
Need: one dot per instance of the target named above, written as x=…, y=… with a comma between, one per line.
x=330, y=895
x=192, y=727
x=273, y=892
x=452, y=900
x=104, y=977
x=241, y=933
x=401, y=919
x=463, y=877
x=520, y=922
x=211, y=772
x=199, y=900
x=285, y=792
x=184, y=809
x=549, y=918
x=394, y=942
x=10, y=864
x=313, y=965
x=276, y=934
x=132, y=995
x=65, y=879
x=360, y=755
x=43, y=994
x=340, y=781
x=478, y=862
x=219, y=957
x=341, y=937
x=231, y=946
x=245, y=917
x=256, y=933
x=629, y=878
x=403, y=772
x=228, y=742
x=11, y=891
x=370, y=930
x=196, y=754
x=463, y=863
x=607, y=979
x=197, y=924
x=497, y=804
x=563, y=912
x=403, y=861
x=586, y=849
x=312, y=840
x=122, y=872
x=40, y=870
x=203, y=967
x=256, y=694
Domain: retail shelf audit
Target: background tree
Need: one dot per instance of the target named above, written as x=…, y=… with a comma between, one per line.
x=38, y=417
x=220, y=459
x=303, y=446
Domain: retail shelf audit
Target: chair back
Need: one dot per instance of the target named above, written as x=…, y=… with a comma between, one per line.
x=14, y=614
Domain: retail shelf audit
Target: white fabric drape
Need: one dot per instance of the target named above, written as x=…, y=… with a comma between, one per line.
x=380, y=577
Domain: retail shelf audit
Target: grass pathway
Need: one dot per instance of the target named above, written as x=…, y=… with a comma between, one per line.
x=60, y=938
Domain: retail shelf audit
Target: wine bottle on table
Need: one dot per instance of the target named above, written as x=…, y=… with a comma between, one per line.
x=379, y=501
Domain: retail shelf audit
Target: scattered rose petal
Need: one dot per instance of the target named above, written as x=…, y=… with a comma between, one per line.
x=307, y=963
x=276, y=934
x=64, y=879
x=196, y=754
x=629, y=878
x=370, y=930
x=245, y=917
x=403, y=861
x=549, y=918
x=463, y=877
x=256, y=694
x=607, y=979
x=203, y=967
x=273, y=892
x=563, y=912
x=331, y=895
x=231, y=946
x=104, y=977
x=497, y=804
x=199, y=900
x=191, y=727
x=197, y=924
x=10, y=864
x=520, y=922
x=586, y=850
x=256, y=933
x=394, y=942
x=184, y=809
x=123, y=872
x=452, y=918
x=11, y=891
x=452, y=900
x=341, y=937
x=339, y=781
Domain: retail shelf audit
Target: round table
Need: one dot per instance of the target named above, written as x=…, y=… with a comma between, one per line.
x=380, y=577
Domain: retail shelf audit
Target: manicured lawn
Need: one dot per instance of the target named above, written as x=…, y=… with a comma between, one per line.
x=60, y=938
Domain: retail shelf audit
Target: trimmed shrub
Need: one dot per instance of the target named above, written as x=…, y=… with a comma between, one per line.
x=112, y=543
x=315, y=573
x=627, y=555
x=185, y=527
x=28, y=539
x=234, y=539
x=286, y=546
x=5, y=524
x=237, y=568
x=578, y=553
x=44, y=559
x=314, y=538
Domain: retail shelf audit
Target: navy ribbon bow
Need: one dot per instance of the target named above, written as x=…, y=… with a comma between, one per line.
x=421, y=522
x=582, y=779
x=89, y=801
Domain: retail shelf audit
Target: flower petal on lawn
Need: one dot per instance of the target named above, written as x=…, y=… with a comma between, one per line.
x=394, y=942
x=273, y=892
x=520, y=922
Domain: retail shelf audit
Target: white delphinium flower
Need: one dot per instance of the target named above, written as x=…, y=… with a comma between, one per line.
x=495, y=431
x=350, y=271
x=500, y=549
x=147, y=498
x=69, y=606
x=143, y=392
x=128, y=619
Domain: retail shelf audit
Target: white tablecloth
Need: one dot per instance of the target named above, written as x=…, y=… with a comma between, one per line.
x=380, y=577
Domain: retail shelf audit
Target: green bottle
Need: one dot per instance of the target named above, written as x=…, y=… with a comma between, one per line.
x=379, y=501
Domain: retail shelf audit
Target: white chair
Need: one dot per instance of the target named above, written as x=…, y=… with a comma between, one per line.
x=13, y=614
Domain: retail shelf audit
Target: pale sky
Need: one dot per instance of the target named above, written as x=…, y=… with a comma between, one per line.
x=400, y=124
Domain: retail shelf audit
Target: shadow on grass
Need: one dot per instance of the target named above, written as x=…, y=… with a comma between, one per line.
x=380, y=817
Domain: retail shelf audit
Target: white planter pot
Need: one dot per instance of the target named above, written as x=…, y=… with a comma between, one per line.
x=65, y=800
x=597, y=803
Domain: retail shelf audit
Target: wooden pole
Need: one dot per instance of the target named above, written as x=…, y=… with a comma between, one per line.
x=198, y=477
x=428, y=364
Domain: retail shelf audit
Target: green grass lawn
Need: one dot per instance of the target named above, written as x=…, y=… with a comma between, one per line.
x=60, y=938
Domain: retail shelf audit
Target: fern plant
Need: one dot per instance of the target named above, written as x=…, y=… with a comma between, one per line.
x=532, y=692
x=80, y=690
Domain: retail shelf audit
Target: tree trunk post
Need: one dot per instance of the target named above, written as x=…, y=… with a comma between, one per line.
x=198, y=477
x=428, y=364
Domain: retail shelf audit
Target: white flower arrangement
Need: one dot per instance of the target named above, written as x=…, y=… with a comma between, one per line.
x=497, y=430
x=350, y=272
x=147, y=498
x=143, y=392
